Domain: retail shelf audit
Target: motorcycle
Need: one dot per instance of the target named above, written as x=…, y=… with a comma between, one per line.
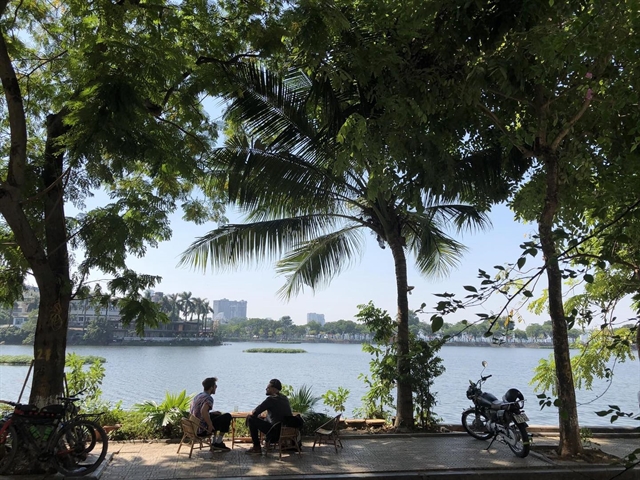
x=503, y=420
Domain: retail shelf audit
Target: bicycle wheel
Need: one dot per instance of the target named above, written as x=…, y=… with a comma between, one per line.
x=87, y=433
x=8, y=446
x=79, y=448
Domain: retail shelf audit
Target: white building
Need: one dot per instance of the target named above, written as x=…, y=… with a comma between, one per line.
x=315, y=317
x=230, y=309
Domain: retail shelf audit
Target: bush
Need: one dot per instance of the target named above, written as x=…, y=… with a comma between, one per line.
x=166, y=416
x=275, y=350
x=312, y=421
x=133, y=426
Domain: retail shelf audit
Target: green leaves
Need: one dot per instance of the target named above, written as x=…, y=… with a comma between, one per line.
x=436, y=323
x=169, y=412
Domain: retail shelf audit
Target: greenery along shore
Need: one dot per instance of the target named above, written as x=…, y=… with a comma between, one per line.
x=275, y=350
x=27, y=359
x=101, y=332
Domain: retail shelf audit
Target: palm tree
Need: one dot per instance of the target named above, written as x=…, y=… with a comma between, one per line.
x=204, y=310
x=308, y=206
x=185, y=303
x=170, y=306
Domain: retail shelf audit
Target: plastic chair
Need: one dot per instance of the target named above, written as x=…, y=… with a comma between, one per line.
x=329, y=433
x=286, y=434
x=190, y=434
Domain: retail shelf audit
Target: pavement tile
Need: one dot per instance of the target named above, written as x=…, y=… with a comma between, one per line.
x=359, y=456
x=411, y=457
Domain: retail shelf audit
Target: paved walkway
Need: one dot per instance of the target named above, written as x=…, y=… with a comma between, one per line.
x=448, y=456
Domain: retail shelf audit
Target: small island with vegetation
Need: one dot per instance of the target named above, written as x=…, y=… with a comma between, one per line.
x=22, y=360
x=275, y=350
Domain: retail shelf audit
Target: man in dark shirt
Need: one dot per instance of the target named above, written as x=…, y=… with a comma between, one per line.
x=277, y=407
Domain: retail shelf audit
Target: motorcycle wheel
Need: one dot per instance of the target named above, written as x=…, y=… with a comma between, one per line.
x=521, y=446
x=475, y=424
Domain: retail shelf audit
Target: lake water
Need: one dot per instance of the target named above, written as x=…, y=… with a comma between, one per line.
x=135, y=374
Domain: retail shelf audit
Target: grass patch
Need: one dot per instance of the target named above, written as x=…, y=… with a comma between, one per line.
x=25, y=360
x=275, y=350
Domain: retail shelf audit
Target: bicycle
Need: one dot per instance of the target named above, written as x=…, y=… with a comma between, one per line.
x=54, y=434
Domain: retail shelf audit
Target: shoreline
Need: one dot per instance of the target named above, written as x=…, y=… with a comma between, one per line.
x=196, y=342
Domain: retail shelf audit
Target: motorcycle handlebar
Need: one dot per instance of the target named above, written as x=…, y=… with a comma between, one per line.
x=484, y=378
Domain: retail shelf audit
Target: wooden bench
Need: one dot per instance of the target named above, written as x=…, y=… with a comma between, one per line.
x=376, y=422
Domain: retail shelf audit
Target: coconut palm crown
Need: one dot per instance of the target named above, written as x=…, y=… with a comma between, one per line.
x=309, y=205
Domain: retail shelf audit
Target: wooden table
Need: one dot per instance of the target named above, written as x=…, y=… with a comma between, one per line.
x=234, y=416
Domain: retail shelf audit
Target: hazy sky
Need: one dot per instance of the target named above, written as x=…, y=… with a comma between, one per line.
x=372, y=279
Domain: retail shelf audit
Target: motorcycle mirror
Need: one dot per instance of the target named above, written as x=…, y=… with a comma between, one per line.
x=484, y=363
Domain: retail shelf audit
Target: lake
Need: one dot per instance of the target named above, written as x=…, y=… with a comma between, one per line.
x=135, y=374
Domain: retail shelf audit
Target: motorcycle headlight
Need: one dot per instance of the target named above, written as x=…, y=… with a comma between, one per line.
x=471, y=392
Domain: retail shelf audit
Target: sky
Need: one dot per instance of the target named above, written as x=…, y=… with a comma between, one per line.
x=371, y=279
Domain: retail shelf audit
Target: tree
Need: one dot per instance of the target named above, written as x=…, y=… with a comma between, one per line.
x=170, y=306
x=534, y=75
x=99, y=332
x=308, y=205
x=558, y=94
x=101, y=95
x=186, y=304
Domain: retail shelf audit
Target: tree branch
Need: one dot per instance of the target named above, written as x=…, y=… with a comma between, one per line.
x=508, y=97
x=498, y=124
x=599, y=257
x=231, y=61
x=631, y=207
x=17, y=121
x=572, y=122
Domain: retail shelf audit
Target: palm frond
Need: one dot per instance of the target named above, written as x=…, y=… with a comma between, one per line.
x=239, y=244
x=258, y=177
x=460, y=216
x=315, y=262
x=274, y=108
x=303, y=401
x=435, y=252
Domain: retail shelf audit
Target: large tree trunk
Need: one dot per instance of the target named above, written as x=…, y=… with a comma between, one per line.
x=51, y=332
x=568, y=413
x=49, y=264
x=404, y=398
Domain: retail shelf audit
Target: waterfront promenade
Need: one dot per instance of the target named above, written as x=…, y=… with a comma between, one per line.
x=447, y=456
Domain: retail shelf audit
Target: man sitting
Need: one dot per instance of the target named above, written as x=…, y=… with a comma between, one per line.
x=210, y=421
x=277, y=407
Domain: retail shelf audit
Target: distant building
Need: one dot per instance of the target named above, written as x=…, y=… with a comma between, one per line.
x=227, y=309
x=315, y=317
x=22, y=308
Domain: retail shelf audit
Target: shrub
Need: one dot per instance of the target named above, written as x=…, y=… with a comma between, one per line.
x=133, y=427
x=336, y=400
x=275, y=350
x=166, y=415
x=302, y=401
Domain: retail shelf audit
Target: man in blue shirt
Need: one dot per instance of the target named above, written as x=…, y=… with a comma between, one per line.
x=210, y=421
